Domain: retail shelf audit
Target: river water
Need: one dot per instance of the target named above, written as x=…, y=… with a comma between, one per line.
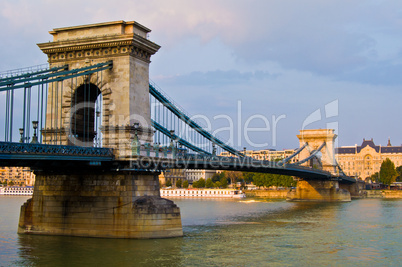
x=248, y=232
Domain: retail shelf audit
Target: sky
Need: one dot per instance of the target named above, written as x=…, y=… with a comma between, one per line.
x=258, y=70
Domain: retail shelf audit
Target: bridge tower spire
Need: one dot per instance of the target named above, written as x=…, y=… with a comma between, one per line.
x=124, y=88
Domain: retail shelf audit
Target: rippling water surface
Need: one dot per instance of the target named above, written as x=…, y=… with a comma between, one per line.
x=247, y=232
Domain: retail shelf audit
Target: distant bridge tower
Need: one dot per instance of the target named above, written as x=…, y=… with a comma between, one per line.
x=313, y=189
x=315, y=138
x=124, y=89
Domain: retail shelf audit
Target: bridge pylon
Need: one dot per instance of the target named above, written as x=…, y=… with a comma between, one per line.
x=319, y=190
x=116, y=199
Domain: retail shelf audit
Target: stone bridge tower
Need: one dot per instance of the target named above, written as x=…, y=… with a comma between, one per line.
x=96, y=200
x=124, y=89
x=315, y=138
x=313, y=189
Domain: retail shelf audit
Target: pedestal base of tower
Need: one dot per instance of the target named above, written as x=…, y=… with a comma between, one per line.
x=107, y=205
x=323, y=191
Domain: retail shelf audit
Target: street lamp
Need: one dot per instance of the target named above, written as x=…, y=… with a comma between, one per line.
x=172, y=137
x=35, y=137
x=136, y=127
x=135, y=144
x=22, y=135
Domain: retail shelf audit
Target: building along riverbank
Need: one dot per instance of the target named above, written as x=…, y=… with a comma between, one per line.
x=281, y=194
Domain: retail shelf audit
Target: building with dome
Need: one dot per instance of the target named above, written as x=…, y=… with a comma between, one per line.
x=365, y=160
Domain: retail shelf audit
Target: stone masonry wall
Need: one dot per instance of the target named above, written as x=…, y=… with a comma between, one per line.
x=110, y=205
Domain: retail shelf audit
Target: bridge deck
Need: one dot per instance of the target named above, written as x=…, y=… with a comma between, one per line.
x=60, y=156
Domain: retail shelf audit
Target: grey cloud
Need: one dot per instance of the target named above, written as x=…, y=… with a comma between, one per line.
x=329, y=38
x=219, y=77
x=377, y=73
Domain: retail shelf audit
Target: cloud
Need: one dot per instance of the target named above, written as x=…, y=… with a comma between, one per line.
x=335, y=38
x=377, y=73
x=328, y=38
x=218, y=77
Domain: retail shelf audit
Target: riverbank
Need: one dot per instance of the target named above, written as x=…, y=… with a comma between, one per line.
x=281, y=194
x=274, y=194
x=382, y=193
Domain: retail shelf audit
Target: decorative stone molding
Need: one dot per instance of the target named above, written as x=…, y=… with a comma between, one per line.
x=132, y=41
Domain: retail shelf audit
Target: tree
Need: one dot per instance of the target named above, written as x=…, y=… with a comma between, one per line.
x=11, y=183
x=258, y=179
x=248, y=177
x=374, y=178
x=399, y=174
x=199, y=184
x=209, y=183
x=168, y=183
x=234, y=176
x=178, y=183
x=287, y=181
x=387, y=172
x=217, y=177
x=269, y=179
x=185, y=184
x=223, y=182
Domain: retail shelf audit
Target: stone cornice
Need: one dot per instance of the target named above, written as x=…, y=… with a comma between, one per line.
x=138, y=25
x=102, y=46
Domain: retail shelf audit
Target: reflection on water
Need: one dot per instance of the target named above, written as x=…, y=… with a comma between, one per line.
x=76, y=251
x=248, y=232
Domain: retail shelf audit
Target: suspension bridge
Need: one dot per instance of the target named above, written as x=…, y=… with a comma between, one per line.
x=96, y=133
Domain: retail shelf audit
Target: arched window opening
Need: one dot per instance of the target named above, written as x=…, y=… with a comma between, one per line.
x=86, y=116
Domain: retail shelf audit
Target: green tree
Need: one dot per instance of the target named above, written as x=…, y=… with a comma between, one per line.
x=270, y=179
x=399, y=174
x=217, y=177
x=374, y=177
x=234, y=176
x=387, y=172
x=185, y=184
x=258, y=179
x=209, y=183
x=224, y=182
x=217, y=184
x=178, y=183
x=199, y=184
x=168, y=183
x=248, y=177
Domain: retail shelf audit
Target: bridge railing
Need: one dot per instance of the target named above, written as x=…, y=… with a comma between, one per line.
x=10, y=149
x=23, y=71
x=29, y=92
